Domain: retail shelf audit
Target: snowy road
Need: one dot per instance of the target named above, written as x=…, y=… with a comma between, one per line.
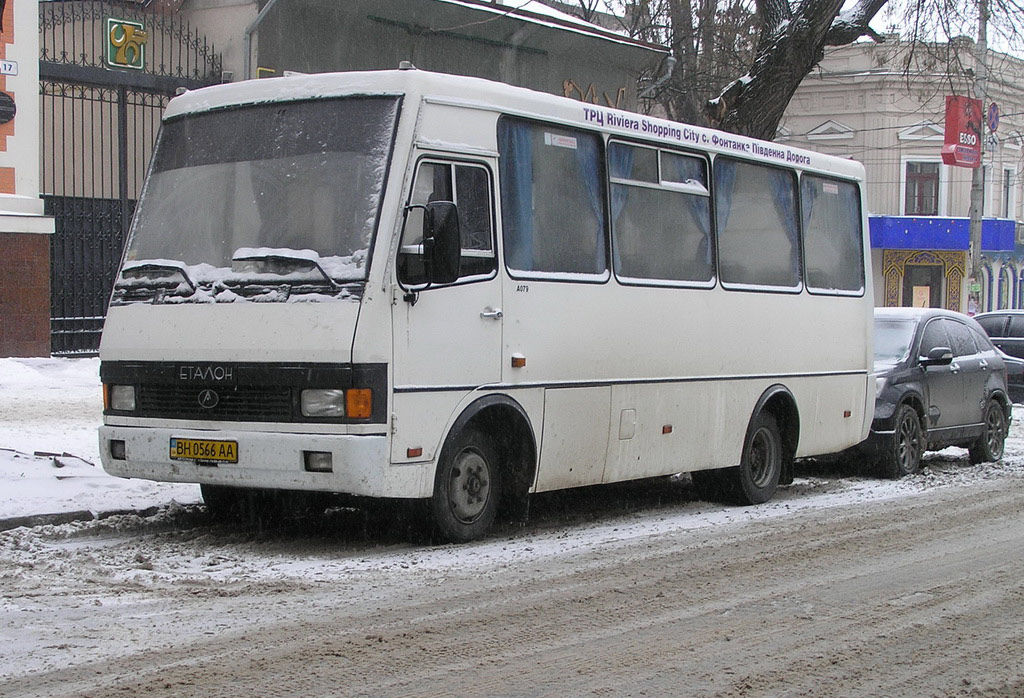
x=912, y=589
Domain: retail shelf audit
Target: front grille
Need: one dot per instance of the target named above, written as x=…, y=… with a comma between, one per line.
x=255, y=403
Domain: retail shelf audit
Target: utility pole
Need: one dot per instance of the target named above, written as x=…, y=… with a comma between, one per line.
x=978, y=176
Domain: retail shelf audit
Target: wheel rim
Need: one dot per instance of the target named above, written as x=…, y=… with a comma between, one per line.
x=764, y=456
x=469, y=486
x=909, y=443
x=995, y=428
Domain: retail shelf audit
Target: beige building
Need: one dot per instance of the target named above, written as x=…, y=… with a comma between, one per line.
x=861, y=103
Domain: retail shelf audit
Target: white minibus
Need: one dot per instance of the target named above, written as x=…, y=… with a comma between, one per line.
x=402, y=284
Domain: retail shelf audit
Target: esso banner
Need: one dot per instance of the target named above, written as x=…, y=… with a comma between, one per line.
x=962, y=146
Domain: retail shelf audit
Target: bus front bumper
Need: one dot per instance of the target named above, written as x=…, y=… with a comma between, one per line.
x=360, y=464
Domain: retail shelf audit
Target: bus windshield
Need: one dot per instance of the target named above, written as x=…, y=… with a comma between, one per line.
x=271, y=202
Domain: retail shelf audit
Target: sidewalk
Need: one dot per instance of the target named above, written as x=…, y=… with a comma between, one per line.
x=50, y=470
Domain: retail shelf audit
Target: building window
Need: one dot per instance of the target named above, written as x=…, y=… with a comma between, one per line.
x=1007, y=202
x=1004, y=288
x=922, y=192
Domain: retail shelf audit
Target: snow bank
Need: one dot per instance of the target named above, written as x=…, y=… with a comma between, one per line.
x=49, y=450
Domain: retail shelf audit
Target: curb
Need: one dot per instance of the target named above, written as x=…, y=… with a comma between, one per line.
x=66, y=517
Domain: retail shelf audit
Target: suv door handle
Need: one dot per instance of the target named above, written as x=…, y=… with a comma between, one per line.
x=491, y=313
x=984, y=365
x=954, y=368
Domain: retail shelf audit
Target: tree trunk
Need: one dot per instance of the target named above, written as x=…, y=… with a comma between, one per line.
x=792, y=41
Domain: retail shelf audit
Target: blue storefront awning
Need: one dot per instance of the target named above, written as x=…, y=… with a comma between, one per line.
x=938, y=233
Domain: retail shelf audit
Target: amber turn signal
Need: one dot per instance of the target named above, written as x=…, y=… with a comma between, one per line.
x=359, y=403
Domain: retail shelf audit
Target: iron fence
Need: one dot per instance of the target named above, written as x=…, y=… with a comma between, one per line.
x=99, y=125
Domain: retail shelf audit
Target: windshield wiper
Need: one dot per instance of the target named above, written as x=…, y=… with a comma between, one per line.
x=159, y=274
x=278, y=262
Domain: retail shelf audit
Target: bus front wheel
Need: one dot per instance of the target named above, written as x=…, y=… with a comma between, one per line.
x=467, y=487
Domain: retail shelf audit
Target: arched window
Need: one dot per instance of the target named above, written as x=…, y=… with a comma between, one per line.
x=986, y=289
x=1005, y=283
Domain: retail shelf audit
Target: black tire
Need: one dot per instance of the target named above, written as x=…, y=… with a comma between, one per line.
x=989, y=446
x=903, y=455
x=757, y=477
x=467, y=487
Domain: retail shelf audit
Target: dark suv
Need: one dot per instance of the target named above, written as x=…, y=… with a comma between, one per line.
x=940, y=382
x=1006, y=329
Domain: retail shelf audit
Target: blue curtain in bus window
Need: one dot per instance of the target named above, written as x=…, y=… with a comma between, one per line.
x=516, y=167
x=620, y=165
x=853, y=212
x=785, y=205
x=757, y=231
x=832, y=235
x=587, y=157
x=725, y=180
x=553, y=199
x=684, y=170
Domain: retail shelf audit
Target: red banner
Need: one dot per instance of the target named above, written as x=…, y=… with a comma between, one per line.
x=962, y=146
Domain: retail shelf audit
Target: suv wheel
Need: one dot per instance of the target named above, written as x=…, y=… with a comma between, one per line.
x=903, y=456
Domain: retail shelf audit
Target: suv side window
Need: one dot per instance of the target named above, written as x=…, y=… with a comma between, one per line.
x=993, y=325
x=960, y=336
x=934, y=336
x=982, y=340
x=1016, y=327
x=469, y=188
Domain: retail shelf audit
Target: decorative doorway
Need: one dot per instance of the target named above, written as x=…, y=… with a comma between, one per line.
x=935, y=274
x=922, y=285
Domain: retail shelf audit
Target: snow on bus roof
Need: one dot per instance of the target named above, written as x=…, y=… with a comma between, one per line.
x=472, y=92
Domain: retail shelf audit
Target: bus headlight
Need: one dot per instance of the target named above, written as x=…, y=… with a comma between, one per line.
x=323, y=402
x=354, y=403
x=120, y=397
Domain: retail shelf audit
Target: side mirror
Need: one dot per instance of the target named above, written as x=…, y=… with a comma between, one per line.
x=442, y=242
x=938, y=356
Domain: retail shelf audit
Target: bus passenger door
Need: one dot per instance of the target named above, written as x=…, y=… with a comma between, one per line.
x=448, y=337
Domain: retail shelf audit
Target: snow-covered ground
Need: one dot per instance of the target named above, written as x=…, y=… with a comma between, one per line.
x=49, y=450
x=49, y=456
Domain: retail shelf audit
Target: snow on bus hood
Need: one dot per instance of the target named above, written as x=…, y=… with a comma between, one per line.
x=262, y=274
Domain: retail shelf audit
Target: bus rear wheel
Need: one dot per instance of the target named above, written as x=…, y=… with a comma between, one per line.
x=467, y=487
x=755, y=479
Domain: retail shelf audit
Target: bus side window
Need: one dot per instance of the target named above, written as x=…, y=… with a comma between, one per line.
x=552, y=201
x=473, y=197
x=469, y=187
